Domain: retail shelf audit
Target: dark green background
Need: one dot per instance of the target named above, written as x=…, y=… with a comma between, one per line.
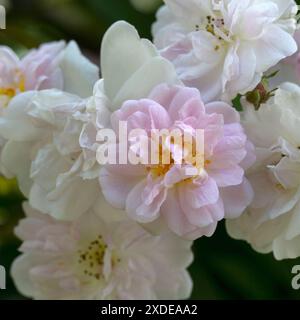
x=223, y=268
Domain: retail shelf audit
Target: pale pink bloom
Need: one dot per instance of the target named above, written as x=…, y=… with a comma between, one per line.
x=52, y=66
x=38, y=70
x=41, y=67
x=96, y=258
x=190, y=205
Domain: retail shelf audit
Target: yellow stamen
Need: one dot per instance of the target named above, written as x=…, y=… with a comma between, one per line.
x=207, y=163
x=16, y=88
x=10, y=92
x=280, y=187
x=91, y=259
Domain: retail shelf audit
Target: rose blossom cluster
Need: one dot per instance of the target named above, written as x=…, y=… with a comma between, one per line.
x=124, y=230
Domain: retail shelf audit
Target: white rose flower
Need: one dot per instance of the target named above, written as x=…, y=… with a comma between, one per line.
x=271, y=223
x=95, y=258
x=223, y=47
x=43, y=152
x=52, y=65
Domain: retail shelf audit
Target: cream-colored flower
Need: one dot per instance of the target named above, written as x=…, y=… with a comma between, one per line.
x=95, y=258
x=271, y=224
x=223, y=47
x=43, y=152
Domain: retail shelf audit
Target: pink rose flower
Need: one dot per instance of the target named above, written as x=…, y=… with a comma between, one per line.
x=191, y=206
x=54, y=65
x=38, y=70
x=41, y=67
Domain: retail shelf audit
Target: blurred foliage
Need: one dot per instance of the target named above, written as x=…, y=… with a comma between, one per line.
x=224, y=268
x=31, y=22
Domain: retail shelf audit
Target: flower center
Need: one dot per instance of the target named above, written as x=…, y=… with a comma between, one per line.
x=91, y=259
x=185, y=153
x=216, y=26
x=17, y=87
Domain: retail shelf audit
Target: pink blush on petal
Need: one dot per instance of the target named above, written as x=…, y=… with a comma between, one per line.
x=191, y=206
